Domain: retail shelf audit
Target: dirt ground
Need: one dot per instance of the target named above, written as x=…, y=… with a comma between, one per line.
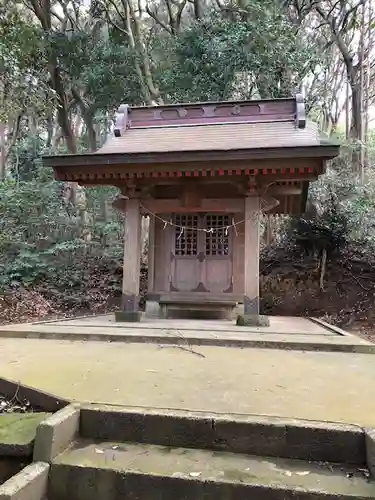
x=363, y=330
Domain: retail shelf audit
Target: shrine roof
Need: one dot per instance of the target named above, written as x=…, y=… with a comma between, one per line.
x=232, y=130
x=217, y=137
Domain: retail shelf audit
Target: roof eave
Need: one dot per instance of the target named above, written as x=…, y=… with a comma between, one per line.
x=323, y=151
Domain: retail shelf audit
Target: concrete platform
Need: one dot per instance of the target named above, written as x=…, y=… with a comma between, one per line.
x=295, y=368
x=278, y=325
x=325, y=386
x=183, y=388
x=283, y=333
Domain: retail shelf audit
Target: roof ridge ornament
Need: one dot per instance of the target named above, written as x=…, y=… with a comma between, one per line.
x=300, y=111
x=121, y=123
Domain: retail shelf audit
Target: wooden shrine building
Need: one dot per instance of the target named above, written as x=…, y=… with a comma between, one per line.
x=203, y=173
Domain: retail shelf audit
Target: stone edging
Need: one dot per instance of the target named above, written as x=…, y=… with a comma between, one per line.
x=360, y=348
x=38, y=399
x=332, y=328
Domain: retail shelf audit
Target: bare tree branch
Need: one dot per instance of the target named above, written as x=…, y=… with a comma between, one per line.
x=158, y=20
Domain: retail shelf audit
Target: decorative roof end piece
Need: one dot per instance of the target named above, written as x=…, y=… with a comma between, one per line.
x=121, y=120
x=300, y=111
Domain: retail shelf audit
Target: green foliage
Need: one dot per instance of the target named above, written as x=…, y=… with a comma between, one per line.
x=101, y=70
x=248, y=49
x=22, y=59
x=341, y=209
x=40, y=238
x=25, y=162
x=219, y=58
x=328, y=231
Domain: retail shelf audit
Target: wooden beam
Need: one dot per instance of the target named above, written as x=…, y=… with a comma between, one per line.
x=229, y=205
x=285, y=190
x=168, y=172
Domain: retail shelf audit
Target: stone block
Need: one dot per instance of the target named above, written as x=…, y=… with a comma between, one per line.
x=252, y=320
x=128, y=316
x=323, y=441
x=370, y=450
x=143, y=427
x=29, y=484
x=56, y=433
x=153, y=310
x=253, y=435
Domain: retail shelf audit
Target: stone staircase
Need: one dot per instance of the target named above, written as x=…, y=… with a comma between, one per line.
x=111, y=453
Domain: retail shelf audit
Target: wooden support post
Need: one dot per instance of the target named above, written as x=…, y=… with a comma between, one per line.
x=251, y=254
x=151, y=255
x=131, y=267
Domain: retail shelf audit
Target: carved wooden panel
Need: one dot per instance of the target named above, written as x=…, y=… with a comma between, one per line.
x=248, y=111
x=186, y=235
x=217, y=237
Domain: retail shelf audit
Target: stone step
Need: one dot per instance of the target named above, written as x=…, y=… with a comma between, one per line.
x=236, y=433
x=117, y=470
x=199, y=297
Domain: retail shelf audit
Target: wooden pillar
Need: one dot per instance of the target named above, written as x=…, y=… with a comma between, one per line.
x=131, y=265
x=151, y=255
x=251, y=254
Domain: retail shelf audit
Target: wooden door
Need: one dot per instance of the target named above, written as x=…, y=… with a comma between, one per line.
x=185, y=253
x=202, y=253
x=217, y=268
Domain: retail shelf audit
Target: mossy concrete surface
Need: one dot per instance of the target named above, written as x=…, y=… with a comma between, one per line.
x=334, y=387
x=17, y=432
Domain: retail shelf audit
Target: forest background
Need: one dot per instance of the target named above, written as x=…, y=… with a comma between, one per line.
x=66, y=65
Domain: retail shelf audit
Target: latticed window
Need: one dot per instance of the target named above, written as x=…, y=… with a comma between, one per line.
x=186, y=234
x=217, y=237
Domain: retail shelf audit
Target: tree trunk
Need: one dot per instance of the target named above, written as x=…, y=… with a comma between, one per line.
x=347, y=111
x=356, y=121
x=142, y=62
x=104, y=210
x=74, y=193
x=8, y=138
x=91, y=132
x=2, y=152
x=198, y=11
x=367, y=83
x=50, y=129
x=361, y=63
x=62, y=109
